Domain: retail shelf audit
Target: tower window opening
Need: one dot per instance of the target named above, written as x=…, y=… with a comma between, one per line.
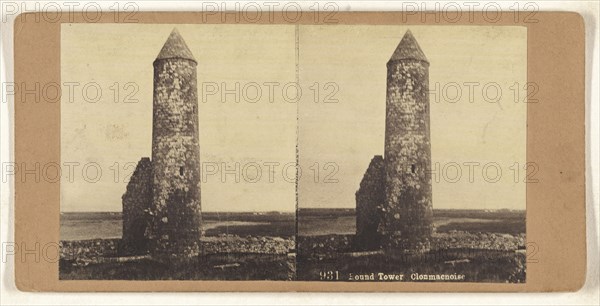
x=181, y=171
x=413, y=168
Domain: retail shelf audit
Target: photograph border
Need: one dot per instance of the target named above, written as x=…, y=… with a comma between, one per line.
x=555, y=141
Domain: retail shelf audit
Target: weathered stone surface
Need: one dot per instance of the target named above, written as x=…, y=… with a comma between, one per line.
x=136, y=203
x=408, y=49
x=175, y=47
x=323, y=245
x=369, y=201
x=334, y=245
x=233, y=244
x=85, y=251
x=408, y=222
x=176, y=212
x=95, y=250
x=478, y=241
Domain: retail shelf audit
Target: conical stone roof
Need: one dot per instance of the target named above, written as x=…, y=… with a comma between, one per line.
x=175, y=47
x=408, y=49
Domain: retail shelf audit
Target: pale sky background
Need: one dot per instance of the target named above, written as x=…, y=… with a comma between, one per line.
x=230, y=132
x=351, y=131
x=347, y=133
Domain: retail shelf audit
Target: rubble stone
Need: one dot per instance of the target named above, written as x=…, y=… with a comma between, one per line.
x=369, y=200
x=408, y=219
x=403, y=199
x=175, y=229
x=136, y=202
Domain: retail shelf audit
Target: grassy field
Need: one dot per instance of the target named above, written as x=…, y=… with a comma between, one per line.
x=313, y=222
x=255, y=224
x=477, y=265
x=485, y=266
x=512, y=227
x=210, y=267
x=108, y=225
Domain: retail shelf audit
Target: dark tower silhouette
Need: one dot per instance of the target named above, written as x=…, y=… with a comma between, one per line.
x=406, y=224
x=175, y=214
x=370, y=198
x=137, y=199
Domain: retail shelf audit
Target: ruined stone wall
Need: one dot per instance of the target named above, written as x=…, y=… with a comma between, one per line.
x=175, y=229
x=136, y=203
x=407, y=225
x=324, y=245
x=369, y=201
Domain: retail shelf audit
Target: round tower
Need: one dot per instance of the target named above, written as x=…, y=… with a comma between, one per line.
x=175, y=212
x=407, y=222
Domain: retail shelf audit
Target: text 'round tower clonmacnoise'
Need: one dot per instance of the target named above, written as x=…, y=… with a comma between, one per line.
x=176, y=215
x=407, y=222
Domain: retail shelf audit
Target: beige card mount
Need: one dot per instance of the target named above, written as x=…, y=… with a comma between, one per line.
x=373, y=152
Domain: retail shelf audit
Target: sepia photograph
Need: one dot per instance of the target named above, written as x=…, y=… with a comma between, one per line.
x=180, y=179
x=294, y=152
x=421, y=157
x=289, y=152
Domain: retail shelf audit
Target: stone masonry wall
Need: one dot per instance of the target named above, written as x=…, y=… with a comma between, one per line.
x=369, y=201
x=175, y=230
x=407, y=225
x=136, y=203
